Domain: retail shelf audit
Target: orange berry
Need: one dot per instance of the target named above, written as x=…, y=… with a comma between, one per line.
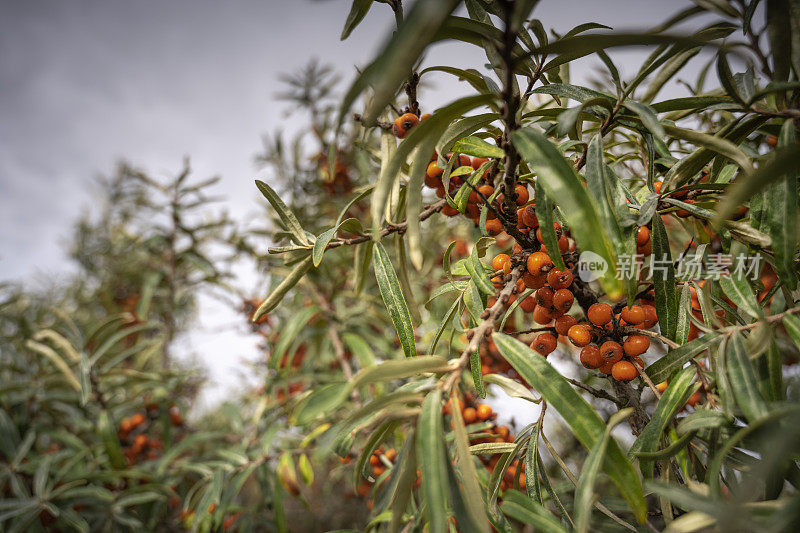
x=642, y=236
x=645, y=250
x=500, y=260
x=600, y=314
x=493, y=227
x=478, y=161
x=579, y=335
x=624, y=371
x=590, y=356
x=538, y=263
x=470, y=415
x=606, y=368
x=559, y=279
x=563, y=244
x=522, y=194
x=611, y=352
x=650, y=317
x=534, y=282
x=636, y=345
x=661, y=387
x=694, y=399
x=486, y=190
x=657, y=186
x=484, y=412
x=403, y=124
x=541, y=315
x=563, y=323
x=449, y=211
x=528, y=304
x=544, y=343
x=391, y=454
x=633, y=315
x=563, y=299
x=544, y=297
x=529, y=216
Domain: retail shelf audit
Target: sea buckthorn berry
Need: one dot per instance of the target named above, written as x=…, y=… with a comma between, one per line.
x=539, y=262
x=470, y=415
x=650, y=317
x=694, y=399
x=636, y=345
x=486, y=190
x=611, y=352
x=642, y=236
x=534, y=282
x=557, y=227
x=606, y=368
x=528, y=304
x=522, y=194
x=137, y=420
x=563, y=323
x=374, y=460
x=647, y=249
x=541, y=315
x=478, y=161
x=600, y=314
x=661, y=387
x=657, y=186
x=563, y=299
x=484, y=412
x=493, y=227
x=559, y=279
x=500, y=260
x=544, y=297
x=579, y=335
x=563, y=244
x=633, y=315
x=624, y=371
x=433, y=171
x=449, y=211
x=544, y=343
x=403, y=124
x=590, y=356
x=529, y=216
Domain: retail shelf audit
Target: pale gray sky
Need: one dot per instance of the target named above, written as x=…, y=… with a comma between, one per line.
x=86, y=82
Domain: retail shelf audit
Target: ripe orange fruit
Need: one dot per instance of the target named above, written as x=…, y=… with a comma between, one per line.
x=661, y=387
x=590, y=356
x=600, y=314
x=500, y=260
x=528, y=216
x=541, y=315
x=579, y=335
x=624, y=371
x=606, y=368
x=522, y=194
x=633, y=315
x=544, y=296
x=403, y=124
x=642, y=236
x=650, y=317
x=136, y=420
x=538, y=263
x=484, y=412
x=563, y=323
x=657, y=186
x=470, y=415
x=544, y=343
x=559, y=279
x=478, y=161
x=391, y=454
x=636, y=345
x=528, y=304
x=493, y=227
x=611, y=352
x=533, y=282
x=563, y=299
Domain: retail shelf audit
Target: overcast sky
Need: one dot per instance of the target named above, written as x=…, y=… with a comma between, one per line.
x=84, y=83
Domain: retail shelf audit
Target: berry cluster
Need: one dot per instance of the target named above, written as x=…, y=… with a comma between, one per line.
x=133, y=435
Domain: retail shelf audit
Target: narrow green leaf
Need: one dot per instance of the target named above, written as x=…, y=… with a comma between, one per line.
x=530, y=512
x=465, y=465
x=661, y=369
x=737, y=288
x=544, y=213
x=584, y=491
x=433, y=460
x=477, y=147
x=280, y=291
x=672, y=401
x=285, y=214
x=664, y=280
x=357, y=13
x=743, y=380
x=397, y=369
x=393, y=299
x=781, y=206
x=583, y=420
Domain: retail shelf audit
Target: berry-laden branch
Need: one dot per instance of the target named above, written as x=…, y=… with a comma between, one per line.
x=484, y=329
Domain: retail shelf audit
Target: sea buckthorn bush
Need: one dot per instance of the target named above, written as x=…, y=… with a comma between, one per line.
x=621, y=262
